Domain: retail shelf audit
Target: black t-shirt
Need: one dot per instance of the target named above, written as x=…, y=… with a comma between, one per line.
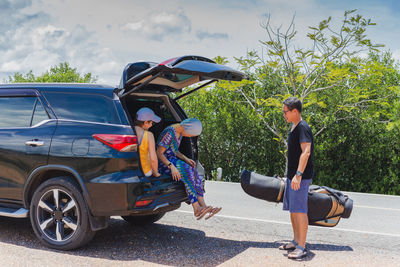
x=301, y=134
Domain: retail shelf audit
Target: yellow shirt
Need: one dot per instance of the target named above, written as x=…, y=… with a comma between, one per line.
x=144, y=154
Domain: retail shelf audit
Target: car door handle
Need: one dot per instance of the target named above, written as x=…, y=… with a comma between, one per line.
x=34, y=143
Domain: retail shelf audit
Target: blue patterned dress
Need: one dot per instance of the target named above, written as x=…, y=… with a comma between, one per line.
x=189, y=175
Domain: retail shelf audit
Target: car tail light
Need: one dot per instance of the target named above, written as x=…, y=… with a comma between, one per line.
x=142, y=203
x=123, y=143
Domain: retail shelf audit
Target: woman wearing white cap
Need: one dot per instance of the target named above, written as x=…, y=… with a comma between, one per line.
x=173, y=162
x=145, y=118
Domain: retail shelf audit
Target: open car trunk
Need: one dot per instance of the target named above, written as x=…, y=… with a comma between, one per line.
x=147, y=84
x=169, y=112
x=173, y=75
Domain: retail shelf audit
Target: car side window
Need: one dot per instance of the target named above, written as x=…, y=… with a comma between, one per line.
x=39, y=113
x=17, y=111
x=83, y=107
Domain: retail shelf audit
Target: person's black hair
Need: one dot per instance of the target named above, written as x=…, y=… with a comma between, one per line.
x=293, y=103
x=138, y=122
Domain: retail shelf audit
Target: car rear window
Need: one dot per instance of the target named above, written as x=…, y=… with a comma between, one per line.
x=83, y=107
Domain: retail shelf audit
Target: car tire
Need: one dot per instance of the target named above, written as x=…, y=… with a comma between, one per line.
x=59, y=215
x=142, y=220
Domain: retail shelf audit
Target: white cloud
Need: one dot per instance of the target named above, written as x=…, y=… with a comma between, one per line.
x=11, y=66
x=35, y=44
x=158, y=26
x=134, y=26
x=208, y=35
x=101, y=37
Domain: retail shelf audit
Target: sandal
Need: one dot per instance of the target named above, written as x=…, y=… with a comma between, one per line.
x=213, y=212
x=298, y=253
x=288, y=246
x=203, y=212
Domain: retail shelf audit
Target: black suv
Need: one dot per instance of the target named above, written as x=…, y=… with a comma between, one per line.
x=68, y=152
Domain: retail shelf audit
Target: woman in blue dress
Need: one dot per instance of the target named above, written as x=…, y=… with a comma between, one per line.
x=180, y=167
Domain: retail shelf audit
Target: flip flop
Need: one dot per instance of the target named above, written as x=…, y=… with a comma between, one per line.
x=298, y=253
x=288, y=246
x=203, y=212
x=213, y=212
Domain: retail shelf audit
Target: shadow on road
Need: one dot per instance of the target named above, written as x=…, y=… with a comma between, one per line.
x=320, y=247
x=325, y=247
x=157, y=243
x=313, y=247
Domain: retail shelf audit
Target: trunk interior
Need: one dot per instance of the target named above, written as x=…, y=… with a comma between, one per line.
x=167, y=110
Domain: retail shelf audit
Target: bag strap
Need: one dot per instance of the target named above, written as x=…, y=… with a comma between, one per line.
x=141, y=138
x=337, y=194
x=281, y=189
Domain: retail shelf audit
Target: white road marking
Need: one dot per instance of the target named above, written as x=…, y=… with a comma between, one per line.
x=369, y=194
x=378, y=208
x=363, y=232
x=287, y=223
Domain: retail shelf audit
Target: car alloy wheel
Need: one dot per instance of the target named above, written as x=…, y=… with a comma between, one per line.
x=57, y=215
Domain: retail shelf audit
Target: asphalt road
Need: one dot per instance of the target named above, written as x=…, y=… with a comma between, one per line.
x=247, y=232
x=372, y=213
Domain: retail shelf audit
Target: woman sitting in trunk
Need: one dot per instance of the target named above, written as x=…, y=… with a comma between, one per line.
x=145, y=118
x=173, y=162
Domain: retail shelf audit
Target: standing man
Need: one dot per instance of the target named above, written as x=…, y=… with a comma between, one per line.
x=300, y=172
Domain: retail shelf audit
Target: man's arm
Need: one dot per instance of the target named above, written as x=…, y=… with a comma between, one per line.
x=305, y=154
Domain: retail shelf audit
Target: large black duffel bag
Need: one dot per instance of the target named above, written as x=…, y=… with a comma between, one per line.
x=325, y=205
x=263, y=187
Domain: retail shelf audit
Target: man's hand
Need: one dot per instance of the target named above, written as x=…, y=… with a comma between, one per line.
x=295, y=185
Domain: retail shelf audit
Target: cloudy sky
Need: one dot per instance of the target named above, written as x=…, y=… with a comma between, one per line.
x=101, y=36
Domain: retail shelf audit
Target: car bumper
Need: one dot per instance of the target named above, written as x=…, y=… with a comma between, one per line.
x=121, y=198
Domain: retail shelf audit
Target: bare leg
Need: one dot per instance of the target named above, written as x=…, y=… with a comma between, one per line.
x=201, y=201
x=293, y=227
x=301, y=228
x=196, y=207
x=295, y=237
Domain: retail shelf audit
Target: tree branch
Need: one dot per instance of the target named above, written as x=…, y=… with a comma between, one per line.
x=262, y=118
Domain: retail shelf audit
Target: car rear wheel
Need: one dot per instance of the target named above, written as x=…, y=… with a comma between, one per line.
x=59, y=216
x=142, y=220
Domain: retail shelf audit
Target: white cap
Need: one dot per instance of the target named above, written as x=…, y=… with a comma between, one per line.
x=146, y=114
x=192, y=126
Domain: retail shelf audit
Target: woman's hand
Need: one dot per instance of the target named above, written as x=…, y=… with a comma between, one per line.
x=191, y=163
x=156, y=174
x=186, y=159
x=175, y=173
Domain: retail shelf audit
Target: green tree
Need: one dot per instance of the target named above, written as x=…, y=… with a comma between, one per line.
x=360, y=153
x=232, y=136
x=310, y=74
x=63, y=73
x=351, y=101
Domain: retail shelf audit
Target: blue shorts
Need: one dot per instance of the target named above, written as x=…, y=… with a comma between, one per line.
x=296, y=201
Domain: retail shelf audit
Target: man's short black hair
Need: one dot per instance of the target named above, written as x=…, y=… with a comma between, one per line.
x=293, y=103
